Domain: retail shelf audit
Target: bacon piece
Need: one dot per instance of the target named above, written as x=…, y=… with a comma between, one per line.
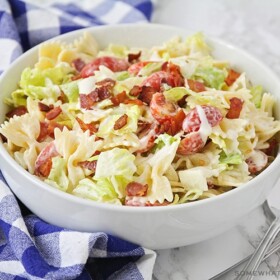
x=44, y=107
x=257, y=161
x=113, y=63
x=44, y=132
x=192, y=121
x=62, y=97
x=133, y=57
x=143, y=126
x=146, y=94
x=18, y=111
x=174, y=78
x=90, y=165
x=231, y=77
x=103, y=93
x=196, y=86
x=88, y=100
x=78, y=64
x=87, y=126
x=272, y=149
x=121, y=122
x=235, y=108
x=107, y=83
x=135, y=91
x=51, y=127
x=173, y=125
x=134, y=102
x=119, y=98
x=53, y=113
x=191, y=144
x=136, y=189
x=135, y=68
x=43, y=163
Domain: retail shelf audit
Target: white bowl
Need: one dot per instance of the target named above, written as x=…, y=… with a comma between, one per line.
x=151, y=227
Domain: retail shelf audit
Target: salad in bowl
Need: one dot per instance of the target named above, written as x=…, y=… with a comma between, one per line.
x=134, y=126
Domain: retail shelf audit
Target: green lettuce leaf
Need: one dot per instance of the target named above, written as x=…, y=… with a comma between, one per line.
x=175, y=94
x=212, y=76
x=102, y=190
x=230, y=159
x=106, y=127
x=71, y=90
x=150, y=68
x=257, y=93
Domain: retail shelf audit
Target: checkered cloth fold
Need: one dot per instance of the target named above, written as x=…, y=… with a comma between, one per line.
x=29, y=247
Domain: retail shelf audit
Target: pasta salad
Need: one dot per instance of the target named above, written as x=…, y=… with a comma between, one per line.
x=139, y=126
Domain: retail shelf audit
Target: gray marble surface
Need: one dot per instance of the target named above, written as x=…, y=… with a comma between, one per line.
x=253, y=25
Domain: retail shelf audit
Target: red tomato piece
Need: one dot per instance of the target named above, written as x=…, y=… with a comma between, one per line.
x=113, y=63
x=192, y=121
x=191, y=144
x=162, y=109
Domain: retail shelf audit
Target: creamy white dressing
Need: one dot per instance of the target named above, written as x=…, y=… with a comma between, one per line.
x=205, y=128
x=259, y=158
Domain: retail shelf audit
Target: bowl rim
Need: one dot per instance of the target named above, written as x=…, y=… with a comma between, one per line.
x=124, y=208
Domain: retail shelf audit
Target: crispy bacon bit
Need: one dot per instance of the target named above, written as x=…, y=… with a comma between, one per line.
x=53, y=113
x=173, y=125
x=119, y=98
x=62, y=97
x=121, y=122
x=133, y=57
x=88, y=100
x=43, y=162
x=44, y=107
x=192, y=121
x=135, y=91
x=44, y=133
x=143, y=127
x=257, y=161
x=51, y=127
x=87, y=126
x=103, y=93
x=107, y=83
x=18, y=111
x=78, y=64
x=235, y=108
x=231, y=77
x=175, y=78
x=146, y=94
x=3, y=138
x=113, y=63
x=91, y=165
x=191, y=144
x=272, y=149
x=136, y=189
x=196, y=86
x=134, y=102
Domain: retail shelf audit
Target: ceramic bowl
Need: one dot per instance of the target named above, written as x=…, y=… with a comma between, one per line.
x=151, y=227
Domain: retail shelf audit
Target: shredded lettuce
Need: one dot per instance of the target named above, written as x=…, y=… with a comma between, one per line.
x=175, y=94
x=212, y=76
x=71, y=90
x=150, y=68
x=102, y=190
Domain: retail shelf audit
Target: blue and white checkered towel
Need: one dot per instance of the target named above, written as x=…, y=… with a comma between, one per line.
x=29, y=247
